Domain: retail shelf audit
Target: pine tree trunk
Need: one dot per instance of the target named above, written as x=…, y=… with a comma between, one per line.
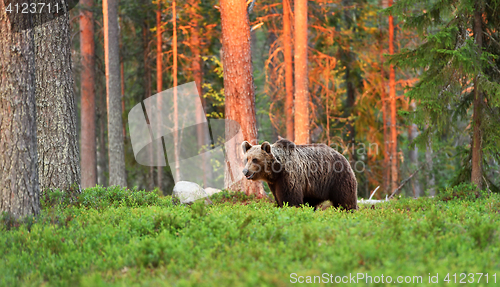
x=413, y=155
x=392, y=97
x=176, y=108
x=102, y=168
x=301, y=78
x=159, y=78
x=287, y=43
x=88, y=108
x=238, y=86
x=383, y=98
x=351, y=96
x=19, y=186
x=196, y=66
x=58, y=153
x=147, y=85
x=477, y=145
x=430, y=170
x=111, y=54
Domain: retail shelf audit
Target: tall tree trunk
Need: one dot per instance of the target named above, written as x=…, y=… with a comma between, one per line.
x=301, y=78
x=176, y=108
x=351, y=93
x=102, y=156
x=58, y=153
x=413, y=155
x=19, y=186
x=88, y=107
x=122, y=77
x=383, y=98
x=196, y=66
x=159, y=77
x=287, y=43
x=430, y=170
x=477, y=145
x=111, y=54
x=238, y=86
x=392, y=97
x=147, y=85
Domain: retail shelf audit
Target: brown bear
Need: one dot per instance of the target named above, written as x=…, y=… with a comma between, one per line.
x=300, y=174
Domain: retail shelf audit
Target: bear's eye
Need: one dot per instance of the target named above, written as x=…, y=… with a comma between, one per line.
x=254, y=160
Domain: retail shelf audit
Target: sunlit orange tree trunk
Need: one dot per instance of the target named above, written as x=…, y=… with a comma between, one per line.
x=238, y=85
x=392, y=98
x=88, y=135
x=301, y=80
x=287, y=43
x=159, y=75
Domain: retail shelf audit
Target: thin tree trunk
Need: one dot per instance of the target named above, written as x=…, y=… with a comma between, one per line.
x=147, y=86
x=122, y=77
x=477, y=145
x=383, y=99
x=102, y=168
x=111, y=54
x=392, y=97
x=413, y=155
x=159, y=79
x=176, y=108
x=196, y=66
x=238, y=87
x=301, y=79
x=58, y=152
x=88, y=107
x=287, y=39
x=19, y=186
x=430, y=170
x=327, y=74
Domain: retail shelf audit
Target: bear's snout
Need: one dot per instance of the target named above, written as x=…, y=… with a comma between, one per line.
x=245, y=171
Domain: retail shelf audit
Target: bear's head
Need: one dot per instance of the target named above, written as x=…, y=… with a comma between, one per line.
x=260, y=163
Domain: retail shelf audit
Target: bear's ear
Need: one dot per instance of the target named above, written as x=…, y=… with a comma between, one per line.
x=245, y=146
x=266, y=147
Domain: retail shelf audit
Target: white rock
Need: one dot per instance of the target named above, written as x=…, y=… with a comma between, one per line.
x=188, y=192
x=211, y=191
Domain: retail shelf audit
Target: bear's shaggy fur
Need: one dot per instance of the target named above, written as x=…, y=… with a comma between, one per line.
x=300, y=174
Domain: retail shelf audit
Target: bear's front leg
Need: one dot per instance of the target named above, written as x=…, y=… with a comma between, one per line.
x=292, y=197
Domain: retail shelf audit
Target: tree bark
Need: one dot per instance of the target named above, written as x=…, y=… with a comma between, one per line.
x=196, y=66
x=19, y=186
x=111, y=54
x=58, y=153
x=287, y=43
x=430, y=170
x=176, y=108
x=413, y=155
x=147, y=84
x=477, y=145
x=88, y=108
x=301, y=78
x=392, y=97
x=238, y=86
x=159, y=78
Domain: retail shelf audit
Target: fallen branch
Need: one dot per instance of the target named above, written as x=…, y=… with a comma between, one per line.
x=412, y=175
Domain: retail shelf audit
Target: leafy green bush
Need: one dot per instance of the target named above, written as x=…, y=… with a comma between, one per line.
x=125, y=237
x=463, y=191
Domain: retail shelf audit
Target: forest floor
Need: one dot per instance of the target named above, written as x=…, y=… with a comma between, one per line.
x=115, y=237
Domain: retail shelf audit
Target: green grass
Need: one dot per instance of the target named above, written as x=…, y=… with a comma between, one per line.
x=114, y=237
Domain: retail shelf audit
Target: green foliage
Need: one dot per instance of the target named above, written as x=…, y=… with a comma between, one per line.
x=449, y=62
x=464, y=191
x=120, y=237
